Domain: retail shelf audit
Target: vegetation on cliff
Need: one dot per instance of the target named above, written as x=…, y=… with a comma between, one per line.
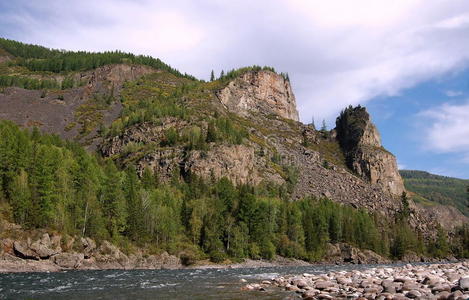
x=46, y=182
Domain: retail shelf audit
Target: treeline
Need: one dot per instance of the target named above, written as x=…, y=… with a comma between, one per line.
x=28, y=82
x=46, y=182
x=38, y=58
x=31, y=83
x=232, y=74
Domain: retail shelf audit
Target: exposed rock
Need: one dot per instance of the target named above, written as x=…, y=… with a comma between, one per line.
x=464, y=283
x=261, y=92
x=108, y=253
x=89, y=246
x=237, y=162
x=345, y=253
x=27, y=108
x=361, y=142
x=23, y=250
x=44, y=247
x=68, y=260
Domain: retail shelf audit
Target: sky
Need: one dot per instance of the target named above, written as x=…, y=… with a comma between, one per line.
x=405, y=60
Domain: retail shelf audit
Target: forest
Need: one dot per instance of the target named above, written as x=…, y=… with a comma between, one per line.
x=38, y=58
x=46, y=182
x=438, y=189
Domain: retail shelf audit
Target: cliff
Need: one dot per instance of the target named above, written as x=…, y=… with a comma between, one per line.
x=262, y=92
x=361, y=143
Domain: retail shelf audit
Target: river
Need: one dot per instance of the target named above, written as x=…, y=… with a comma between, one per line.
x=153, y=284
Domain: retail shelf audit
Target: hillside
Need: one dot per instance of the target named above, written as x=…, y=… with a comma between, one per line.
x=119, y=147
x=434, y=189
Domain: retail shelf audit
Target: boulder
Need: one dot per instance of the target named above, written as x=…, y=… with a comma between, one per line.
x=22, y=249
x=322, y=284
x=43, y=247
x=68, y=260
x=464, y=283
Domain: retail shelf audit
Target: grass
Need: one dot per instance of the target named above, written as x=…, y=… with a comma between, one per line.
x=330, y=151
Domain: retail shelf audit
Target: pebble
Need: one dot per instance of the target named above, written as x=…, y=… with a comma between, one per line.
x=435, y=281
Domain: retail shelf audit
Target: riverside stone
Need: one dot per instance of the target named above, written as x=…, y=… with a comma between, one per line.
x=408, y=282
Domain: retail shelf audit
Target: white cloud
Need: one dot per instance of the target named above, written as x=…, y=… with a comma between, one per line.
x=336, y=52
x=452, y=93
x=447, y=129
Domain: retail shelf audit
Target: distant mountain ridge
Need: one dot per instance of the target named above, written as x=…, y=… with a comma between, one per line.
x=436, y=189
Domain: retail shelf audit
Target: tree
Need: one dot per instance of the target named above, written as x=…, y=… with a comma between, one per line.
x=134, y=204
x=222, y=74
x=113, y=201
x=405, y=211
x=211, y=133
x=212, y=76
x=20, y=195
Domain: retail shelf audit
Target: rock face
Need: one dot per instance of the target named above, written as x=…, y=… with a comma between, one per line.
x=365, y=155
x=261, y=92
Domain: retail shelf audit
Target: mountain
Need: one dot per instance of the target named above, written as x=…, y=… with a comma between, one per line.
x=199, y=169
x=431, y=189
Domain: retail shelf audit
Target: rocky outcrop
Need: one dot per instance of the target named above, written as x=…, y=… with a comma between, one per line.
x=56, y=252
x=262, y=92
x=238, y=163
x=344, y=253
x=43, y=248
x=365, y=155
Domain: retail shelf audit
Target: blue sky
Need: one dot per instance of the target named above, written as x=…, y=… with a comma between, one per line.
x=405, y=60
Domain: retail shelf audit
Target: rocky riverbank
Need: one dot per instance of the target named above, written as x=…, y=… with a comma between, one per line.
x=436, y=281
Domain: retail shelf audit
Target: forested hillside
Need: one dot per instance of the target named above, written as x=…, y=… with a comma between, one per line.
x=50, y=183
x=38, y=58
x=175, y=169
x=437, y=189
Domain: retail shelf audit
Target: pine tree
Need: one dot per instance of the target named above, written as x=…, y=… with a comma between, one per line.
x=212, y=76
x=113, y=201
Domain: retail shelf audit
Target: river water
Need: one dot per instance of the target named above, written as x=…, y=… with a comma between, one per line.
x=153, y=284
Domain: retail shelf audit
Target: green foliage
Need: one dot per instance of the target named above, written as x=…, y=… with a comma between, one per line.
x=28, y=83
x=237, y=72
x=48, y=183
x=350, y=126
x=437, y=189
x=37, y=58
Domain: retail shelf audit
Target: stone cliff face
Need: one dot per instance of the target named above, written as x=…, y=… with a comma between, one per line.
x=261, y=92
x=365, y=155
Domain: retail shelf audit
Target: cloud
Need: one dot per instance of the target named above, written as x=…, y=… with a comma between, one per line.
x=336, y=52
x=448, y=129
x=451, y=93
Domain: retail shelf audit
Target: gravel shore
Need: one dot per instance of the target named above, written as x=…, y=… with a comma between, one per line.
x=434, y=281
